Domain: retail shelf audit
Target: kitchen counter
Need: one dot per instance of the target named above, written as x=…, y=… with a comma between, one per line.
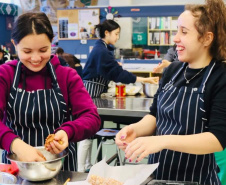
x=76, y=176
x=58, y=179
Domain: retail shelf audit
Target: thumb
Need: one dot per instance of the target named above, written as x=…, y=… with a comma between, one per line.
x=125, y=132
x=41, y=155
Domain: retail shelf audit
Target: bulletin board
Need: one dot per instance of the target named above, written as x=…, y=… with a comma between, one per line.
x=76, y=24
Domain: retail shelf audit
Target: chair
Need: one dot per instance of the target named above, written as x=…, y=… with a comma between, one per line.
x=108, y=134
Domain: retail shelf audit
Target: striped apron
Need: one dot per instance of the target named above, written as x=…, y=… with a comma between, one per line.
x=96, y=86
x=181, y=111
x=34, y=115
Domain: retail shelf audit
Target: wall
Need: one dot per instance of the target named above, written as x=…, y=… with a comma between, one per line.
x=75, y=47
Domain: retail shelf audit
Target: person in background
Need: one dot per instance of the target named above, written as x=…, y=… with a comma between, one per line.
x=101, y=68
x=38, y=97
x=70, y=60
x=169, y=57
x=4, y=56
x=188, y=110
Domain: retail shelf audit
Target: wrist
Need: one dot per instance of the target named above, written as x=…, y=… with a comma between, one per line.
x=14, y=143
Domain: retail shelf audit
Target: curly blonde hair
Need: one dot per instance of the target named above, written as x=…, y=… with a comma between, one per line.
x=211, y=17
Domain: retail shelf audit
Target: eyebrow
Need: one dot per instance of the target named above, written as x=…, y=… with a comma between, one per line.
x=40, y=48
x=184, y=28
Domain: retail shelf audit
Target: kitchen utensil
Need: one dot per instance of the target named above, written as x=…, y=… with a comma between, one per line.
x=39, y=171
x=150, y=89
x=7, y=178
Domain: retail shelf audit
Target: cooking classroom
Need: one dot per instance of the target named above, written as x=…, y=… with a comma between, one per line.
x=112, y=92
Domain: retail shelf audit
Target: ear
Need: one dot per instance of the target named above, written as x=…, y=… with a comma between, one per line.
x=14, y=44
x=106, y=33
x=208, y=39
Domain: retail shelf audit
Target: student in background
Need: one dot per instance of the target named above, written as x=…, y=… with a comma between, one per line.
x=101, y=68
x=38, y=97
x=4, y=56
x=186, y=124
x=169, y=57
x=70, y=60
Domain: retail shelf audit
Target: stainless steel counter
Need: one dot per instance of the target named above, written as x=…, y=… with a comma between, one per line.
x=76, y=176
x=58, y=179
x=130, y=106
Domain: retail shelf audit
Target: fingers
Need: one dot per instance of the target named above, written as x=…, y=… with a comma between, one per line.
x=55, y=147
x=136, y=150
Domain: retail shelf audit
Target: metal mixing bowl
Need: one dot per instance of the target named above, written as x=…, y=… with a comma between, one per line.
x=6, y=178
x=150, y=89
x=39, y=171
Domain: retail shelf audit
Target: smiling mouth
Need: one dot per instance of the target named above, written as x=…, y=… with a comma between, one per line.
x=180, y=48
x=35, y=63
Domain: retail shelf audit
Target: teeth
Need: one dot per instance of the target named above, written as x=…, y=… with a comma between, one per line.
x=180, y=48
x=36, y=63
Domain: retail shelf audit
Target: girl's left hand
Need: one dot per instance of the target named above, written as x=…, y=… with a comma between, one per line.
x=55, y=147
x=143, y=146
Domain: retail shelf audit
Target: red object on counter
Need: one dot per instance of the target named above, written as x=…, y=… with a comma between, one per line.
x=120, y=90
x=9, y=168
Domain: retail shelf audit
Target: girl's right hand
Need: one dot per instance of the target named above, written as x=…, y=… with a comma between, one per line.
x=26, y=152
x=125, y=136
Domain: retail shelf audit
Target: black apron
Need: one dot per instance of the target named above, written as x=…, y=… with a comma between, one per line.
x=181, y=111
x=96, y=86
x=34, y=115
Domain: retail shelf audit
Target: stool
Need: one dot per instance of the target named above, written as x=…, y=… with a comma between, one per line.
x=108, y=134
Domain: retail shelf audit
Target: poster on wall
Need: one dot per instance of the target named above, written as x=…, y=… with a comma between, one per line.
x=72, y=31
x=63, y=27
x=86, y=26
x=77, y=24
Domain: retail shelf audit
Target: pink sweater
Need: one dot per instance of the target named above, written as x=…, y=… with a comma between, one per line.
x=87, y=120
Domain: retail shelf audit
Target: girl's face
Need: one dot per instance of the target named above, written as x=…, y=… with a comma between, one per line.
x=112, y=37
x=189, y=48
x=34, y=51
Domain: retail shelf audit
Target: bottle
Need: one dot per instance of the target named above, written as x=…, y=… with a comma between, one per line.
x=156, y=54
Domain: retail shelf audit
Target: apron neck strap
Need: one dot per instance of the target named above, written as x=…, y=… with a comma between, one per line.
x=18, y=72
x=207, y=75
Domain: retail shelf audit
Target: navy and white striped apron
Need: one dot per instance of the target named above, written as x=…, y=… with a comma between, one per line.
x=181, y=111
x=34, y=115
x=96, y=86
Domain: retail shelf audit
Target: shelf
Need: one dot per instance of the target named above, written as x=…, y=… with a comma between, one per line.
x=160, y=44
x=159, y=30
x=163, y=32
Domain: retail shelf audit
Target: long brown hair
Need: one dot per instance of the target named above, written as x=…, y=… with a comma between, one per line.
x=211, y=17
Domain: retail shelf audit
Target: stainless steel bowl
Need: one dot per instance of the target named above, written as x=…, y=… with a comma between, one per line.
x=150, y=89
x=39, y=171
x=6, y=178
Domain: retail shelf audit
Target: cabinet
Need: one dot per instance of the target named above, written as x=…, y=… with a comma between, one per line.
x=161, y=30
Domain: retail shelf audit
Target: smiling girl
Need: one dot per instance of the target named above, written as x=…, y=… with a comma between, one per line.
x=188, y=112
x=36, y=94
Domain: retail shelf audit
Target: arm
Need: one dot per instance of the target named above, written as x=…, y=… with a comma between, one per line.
x=6, y=134
x=198, y=144
x=86, y=119
x=111, y=70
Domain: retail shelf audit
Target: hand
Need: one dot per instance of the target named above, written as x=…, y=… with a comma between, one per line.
x=152, y=80
x=26, y=152
x=143, y=146
x=55, y=147
x=161, y=66
x=120, y=63
x=125, y=136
